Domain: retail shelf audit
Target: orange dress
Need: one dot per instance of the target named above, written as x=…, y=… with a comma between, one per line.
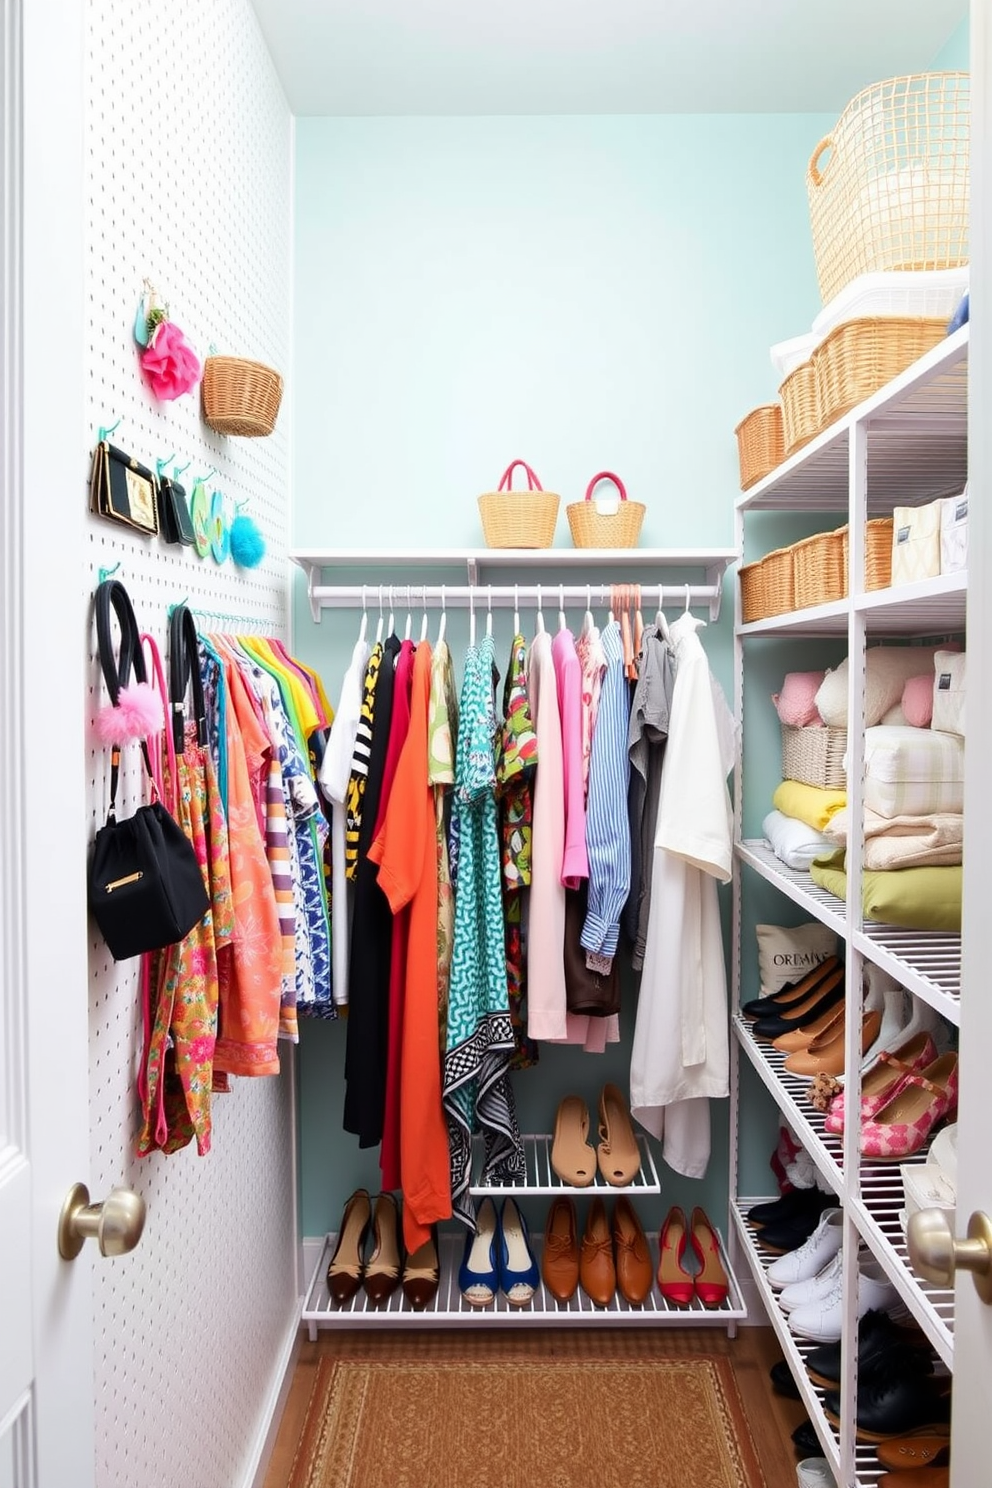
x=405, y=849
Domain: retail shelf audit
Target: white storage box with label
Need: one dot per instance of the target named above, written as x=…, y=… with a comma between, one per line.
x=916, y=543
x=954, y=533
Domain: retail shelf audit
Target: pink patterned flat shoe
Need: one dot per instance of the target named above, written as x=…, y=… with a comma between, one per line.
x=903, y=1125
x=884, y=1080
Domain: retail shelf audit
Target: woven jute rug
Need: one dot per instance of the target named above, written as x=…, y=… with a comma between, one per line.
x=436, y=1411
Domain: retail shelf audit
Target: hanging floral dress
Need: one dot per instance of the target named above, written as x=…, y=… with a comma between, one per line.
x=515, y=775
x=477, y=1093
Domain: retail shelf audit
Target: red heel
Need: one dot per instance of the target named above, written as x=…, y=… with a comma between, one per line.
x=712, y=1286
x=674, y=1281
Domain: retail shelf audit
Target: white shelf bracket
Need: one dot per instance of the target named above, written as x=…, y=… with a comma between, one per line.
x=472, y=571
x=714, y=577
x=313, y=573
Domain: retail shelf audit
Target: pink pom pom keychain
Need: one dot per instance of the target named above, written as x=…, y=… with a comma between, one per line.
x=137, y=714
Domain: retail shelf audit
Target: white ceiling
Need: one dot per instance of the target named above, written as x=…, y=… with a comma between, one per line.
x=594, y=56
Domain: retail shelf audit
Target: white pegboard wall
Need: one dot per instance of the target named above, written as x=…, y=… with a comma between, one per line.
x=188, y=163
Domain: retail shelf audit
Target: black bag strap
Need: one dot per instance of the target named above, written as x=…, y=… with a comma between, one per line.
x=111, y=595
x=184, y=666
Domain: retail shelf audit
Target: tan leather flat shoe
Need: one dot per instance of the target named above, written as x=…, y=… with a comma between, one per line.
x=344, y=1272
x=618, y=1153
x=560, y=1257
x=801, y=1038
x=635, y=1271
x=597, y=1272
x=825, y=1055
x=572, y=1157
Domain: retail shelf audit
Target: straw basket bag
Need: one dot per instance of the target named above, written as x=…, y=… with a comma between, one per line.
x=601, y=524
x=240, y=397
x=893, y=193
x=519, y=519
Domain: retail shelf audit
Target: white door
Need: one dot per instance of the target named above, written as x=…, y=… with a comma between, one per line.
x=46, y=1392
x=970, y=1454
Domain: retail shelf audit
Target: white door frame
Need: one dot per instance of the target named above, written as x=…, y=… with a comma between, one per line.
x=44, y=1042
x=973, y=1322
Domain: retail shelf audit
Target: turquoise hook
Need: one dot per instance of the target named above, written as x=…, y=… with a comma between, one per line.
x=161, y=464
x=177, y=470
x=102, y=433
x=106, y=573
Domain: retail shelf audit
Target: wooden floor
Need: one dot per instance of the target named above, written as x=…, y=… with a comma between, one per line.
x=772, y=1419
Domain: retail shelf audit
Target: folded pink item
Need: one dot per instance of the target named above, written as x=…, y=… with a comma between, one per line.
x=796, y=703
x=917, y=701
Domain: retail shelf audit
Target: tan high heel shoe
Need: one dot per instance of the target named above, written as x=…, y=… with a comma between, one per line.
x=618, y=1153
x=344, y=1272
x=382, y=1270
x=825, y=1055
x=801, y=1038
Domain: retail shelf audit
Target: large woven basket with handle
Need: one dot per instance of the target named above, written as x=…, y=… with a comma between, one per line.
x=611, y=523
x=889, y=186
x=519, y=519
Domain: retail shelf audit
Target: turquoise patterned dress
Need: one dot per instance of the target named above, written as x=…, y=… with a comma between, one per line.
x=477, y=1092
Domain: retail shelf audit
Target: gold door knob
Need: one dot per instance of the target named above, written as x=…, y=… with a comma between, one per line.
x=116, y=1224
x=936, y=1254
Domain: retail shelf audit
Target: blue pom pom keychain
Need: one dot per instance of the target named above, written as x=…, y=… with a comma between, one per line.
x=247, y=543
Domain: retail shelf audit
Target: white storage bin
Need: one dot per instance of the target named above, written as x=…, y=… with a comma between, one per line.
x=916, y=542
x=926, y=292
x=954, y=533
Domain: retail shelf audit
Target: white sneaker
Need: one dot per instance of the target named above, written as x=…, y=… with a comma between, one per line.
x=814, y=1472
x=811, y=1257
x=799, y=1293
x=820, y=1320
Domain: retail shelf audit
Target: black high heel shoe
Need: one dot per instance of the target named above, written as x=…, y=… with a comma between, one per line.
x=383, y=1267
x=344, y=1271
x=787, y=998
x=830, y=993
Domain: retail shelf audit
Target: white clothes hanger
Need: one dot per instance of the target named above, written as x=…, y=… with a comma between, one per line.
x=489, y=613
x=660, y=619
x=444, y=618
x=562, y=622
x=471, y=617
x=381, y=623
x=686, y=610
x=588, y=623
x=516, y=609
x=363, y=629
x=540, y=612
x=423, y=623
x=409, y=615
x=390, y=622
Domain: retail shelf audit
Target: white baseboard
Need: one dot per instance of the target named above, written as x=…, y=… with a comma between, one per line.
x=282, y=1379
x=312, y=1247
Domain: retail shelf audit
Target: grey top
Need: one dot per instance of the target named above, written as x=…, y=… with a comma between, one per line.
x=647, y=735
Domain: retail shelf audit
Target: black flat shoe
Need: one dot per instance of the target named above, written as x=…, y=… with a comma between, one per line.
x=892, y=1402
x=806, y=1441
x=879, y=1339
x=776, y=1024
x=796, y=1201
x=791, y=993
x=783, y=1382
x=791, y=1233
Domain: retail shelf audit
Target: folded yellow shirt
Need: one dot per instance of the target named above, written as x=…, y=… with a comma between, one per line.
x=808, y=804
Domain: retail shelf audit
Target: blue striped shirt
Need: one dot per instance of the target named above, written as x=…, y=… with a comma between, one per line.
x=607, y=828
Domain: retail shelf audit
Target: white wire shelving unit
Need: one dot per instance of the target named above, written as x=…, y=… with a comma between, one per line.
x=904, y=446
x=450, y=1309
x=542, y=1180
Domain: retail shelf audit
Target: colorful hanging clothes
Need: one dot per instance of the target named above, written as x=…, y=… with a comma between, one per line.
x=357, y=780
x=405, y=848
x=568, y=679
x=607, y=836
x=372, y=932
x=179, y=1058
x=334, y=777
x=648, y=732
x=441, y=735
x=514, y=780
x=477, y=1091
x=592, y=661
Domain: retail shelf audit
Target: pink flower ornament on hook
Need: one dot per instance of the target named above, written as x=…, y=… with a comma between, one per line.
x=167, y=359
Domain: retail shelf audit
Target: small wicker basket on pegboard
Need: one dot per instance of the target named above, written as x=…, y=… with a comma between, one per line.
x=519, y=519
x=239, y=396
x=593, y=527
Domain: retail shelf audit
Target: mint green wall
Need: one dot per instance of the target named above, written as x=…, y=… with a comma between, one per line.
x=954, y=54
x=584, y=292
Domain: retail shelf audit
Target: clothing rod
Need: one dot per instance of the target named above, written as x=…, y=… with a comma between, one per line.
x=502, y=596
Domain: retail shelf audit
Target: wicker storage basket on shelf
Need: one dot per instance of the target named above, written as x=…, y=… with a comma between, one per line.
x=861, y=356
x=820, y=569
x=240, y=397
x=878, y=552
x=760, y=443
x=893, y=193
x=814, y=756
x=591, y=527
x=801, y=420
x=767, y=587
x=519, y=519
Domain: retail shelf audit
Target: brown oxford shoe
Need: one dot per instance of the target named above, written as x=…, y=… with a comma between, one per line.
x=635, y=1271
x=596, y=1269
x=560, y=1258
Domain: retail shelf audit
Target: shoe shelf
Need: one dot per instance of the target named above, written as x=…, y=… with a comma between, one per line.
x=926, y=962
x=542, y=1179
x=928, y=607
x=795, y=1349
x=789, y=1093
x=876, y=1213
x=450, y=1309
x=917, y=443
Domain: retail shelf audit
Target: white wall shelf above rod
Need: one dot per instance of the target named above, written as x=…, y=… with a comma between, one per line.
x=644, y=566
